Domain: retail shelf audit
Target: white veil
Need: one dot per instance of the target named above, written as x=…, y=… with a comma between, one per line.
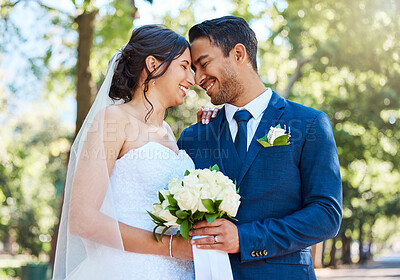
x=88, y=208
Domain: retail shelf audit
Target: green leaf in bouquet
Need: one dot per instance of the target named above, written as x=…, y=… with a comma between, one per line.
x=173, y=212
x=214, y=167
x=208, y=204
x=184, y=229
x=172, y=201
x=178, y=233
x=238, y=189
x=156, y=218
x=163, y=232
x=218, y=203
x=186, y=173
x=230, y=217
x=172, y=208
x=181, y=214
x=282, y=140
x=154, y=233
x=198, y=216
x=179, y=221
x=211, y=217
x=161, y=197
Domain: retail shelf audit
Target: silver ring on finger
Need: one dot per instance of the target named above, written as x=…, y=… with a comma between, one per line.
x=215, y=239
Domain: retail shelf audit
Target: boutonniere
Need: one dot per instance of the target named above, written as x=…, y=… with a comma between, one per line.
x=276, y=136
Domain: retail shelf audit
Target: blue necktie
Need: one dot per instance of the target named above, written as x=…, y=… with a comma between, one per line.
x=241, y=117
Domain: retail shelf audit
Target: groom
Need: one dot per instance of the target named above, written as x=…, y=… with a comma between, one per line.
x=291, y=194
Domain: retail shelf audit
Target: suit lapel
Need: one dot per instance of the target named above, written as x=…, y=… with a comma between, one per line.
x=270, y=118
x=213, y=139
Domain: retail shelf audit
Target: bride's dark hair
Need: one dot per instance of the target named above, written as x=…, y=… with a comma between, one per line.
x=156, y=40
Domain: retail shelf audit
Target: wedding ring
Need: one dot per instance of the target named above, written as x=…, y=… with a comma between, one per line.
x=215, y=239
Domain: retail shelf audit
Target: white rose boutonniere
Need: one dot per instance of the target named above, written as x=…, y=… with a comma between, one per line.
x=276, y=136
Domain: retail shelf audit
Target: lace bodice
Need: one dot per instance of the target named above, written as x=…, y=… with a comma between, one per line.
x=135, y=181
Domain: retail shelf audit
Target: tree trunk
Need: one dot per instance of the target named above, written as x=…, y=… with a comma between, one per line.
x=369, y=253
x=332, y=254
x=346, y=253
x=361, y=245
x=323, y=253
x=296, y=75
x=85, y=88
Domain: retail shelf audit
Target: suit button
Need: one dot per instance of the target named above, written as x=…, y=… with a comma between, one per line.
x=265, y=252
x=253, y=254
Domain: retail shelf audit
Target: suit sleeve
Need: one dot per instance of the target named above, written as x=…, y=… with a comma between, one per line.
x=320, y=217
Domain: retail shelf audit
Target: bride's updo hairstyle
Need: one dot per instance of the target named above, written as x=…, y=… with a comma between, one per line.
x=156, y=40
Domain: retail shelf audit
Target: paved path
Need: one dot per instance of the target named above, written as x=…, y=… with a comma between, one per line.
x=384, y=268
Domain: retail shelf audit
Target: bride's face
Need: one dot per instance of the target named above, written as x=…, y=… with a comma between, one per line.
x=173, y=85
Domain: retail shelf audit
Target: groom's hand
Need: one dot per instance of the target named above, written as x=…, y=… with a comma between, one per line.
x=222, y=231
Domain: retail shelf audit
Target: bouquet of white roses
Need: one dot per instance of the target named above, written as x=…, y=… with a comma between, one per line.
x=201, y=194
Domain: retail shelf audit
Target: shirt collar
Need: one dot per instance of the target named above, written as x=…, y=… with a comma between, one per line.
x=255, y=107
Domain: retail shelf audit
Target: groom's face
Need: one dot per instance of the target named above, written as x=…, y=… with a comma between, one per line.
x=215, y=72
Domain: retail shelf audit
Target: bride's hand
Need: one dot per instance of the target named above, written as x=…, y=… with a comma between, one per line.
x=206, y=114
x=181, y=248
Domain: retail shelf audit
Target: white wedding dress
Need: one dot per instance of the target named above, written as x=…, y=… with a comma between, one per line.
x=135, y=181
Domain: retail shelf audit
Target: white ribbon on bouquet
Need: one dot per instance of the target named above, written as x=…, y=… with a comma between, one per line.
x=211, y=264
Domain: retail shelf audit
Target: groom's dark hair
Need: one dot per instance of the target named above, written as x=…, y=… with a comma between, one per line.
x=225, y=32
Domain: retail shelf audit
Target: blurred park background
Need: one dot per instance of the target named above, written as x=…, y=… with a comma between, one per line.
x=338, y=56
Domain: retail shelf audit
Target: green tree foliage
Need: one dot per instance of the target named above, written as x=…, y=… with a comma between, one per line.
x=33, y=153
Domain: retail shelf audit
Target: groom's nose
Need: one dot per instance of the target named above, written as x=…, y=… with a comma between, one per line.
x=199, y=77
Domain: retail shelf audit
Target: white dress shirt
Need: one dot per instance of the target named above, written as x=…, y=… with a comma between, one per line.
x=255, y=107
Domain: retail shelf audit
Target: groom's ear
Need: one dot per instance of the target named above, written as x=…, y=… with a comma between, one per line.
x=152, y=63
x=239, y=53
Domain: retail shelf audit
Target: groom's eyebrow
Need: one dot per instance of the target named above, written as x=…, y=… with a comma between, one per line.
x=200, y=58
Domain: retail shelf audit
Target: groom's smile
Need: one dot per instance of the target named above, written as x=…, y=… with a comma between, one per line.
x=209, y=63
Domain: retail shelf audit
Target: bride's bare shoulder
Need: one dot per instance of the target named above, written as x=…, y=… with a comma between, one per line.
x=117, y=114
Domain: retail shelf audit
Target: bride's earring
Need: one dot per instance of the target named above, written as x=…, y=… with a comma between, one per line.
x=153, y=83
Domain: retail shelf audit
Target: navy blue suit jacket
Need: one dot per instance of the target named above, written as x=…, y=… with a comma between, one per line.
x=291, y=195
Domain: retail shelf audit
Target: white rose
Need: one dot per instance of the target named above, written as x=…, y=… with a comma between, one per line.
x=157, y=209
x=221, y=178
x=166, y=215
x=208, y=192
x=230, y=202
x=187, y=199
x=190, y=179
x=207, y=176
x=174, y=185
x=275, y=132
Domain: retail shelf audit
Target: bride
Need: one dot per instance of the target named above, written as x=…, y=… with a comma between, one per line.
x=123, y=154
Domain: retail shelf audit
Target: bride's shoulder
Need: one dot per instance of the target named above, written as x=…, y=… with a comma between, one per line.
x=115, y=113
